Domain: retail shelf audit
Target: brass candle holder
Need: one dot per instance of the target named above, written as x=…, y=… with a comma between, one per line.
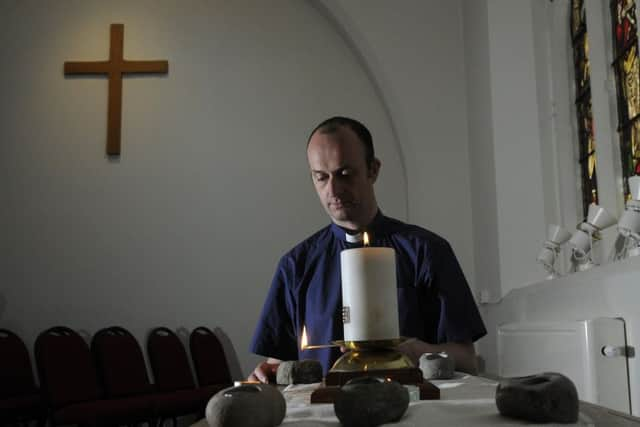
x=374, y=355
x=378, y=358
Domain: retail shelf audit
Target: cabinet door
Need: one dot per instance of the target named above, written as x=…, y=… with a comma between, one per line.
x=610, y=364
x=590, y=352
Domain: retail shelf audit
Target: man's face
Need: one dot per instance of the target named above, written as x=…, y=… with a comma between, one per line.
x=341, y=177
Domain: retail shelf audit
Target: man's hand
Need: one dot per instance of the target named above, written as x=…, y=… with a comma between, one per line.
x=265, y=371
x=464, y=354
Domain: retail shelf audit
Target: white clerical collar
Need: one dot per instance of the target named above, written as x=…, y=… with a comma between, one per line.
x=354, y=238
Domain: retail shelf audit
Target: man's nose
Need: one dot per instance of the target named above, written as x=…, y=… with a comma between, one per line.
x=334, y=187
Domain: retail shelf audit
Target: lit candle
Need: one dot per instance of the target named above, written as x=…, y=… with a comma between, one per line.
x=369, y=293
x=304, y=341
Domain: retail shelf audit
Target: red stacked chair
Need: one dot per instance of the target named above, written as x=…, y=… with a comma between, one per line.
x=208, y=358
x=68, y=377
x=173, y=378
x=20, y=399
x=121, y=368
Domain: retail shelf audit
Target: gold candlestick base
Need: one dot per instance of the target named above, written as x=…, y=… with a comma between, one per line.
x=371, y=360
x=372, y=355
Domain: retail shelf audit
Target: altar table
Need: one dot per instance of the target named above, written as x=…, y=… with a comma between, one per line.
x=465, y=400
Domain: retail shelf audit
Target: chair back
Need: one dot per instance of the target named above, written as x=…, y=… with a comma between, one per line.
x=65, y=366
x=120, y=363
x=208, y=357
x=169, y=361
x=16, y=374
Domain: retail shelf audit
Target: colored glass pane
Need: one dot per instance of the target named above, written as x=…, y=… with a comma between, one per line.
x=627, y=73
x=624, y=15
x=581, y=62
x=587, y=154
x=577, y=16
x=586, y=139
x=630, y=151
x=630, y=82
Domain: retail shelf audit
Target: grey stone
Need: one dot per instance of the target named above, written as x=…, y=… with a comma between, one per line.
x=437, y=366
x=370, y=401
x=299, y=372
x=546, y=397
x=247, y=405
x=306, y=423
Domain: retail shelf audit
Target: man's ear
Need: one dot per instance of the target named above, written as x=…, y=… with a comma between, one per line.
x=374, y=169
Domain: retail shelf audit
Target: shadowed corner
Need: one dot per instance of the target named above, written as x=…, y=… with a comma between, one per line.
x=3, y=305
x=481, y=363
x=183, y=334
x=86, y=335
x=230, y=353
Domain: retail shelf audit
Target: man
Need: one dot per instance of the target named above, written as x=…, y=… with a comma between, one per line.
x=435, y=305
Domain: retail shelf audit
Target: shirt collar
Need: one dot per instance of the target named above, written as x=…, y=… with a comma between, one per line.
x=375, y=229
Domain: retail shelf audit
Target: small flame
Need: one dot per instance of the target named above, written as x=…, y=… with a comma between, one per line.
x=303, y=341
x=365, y=239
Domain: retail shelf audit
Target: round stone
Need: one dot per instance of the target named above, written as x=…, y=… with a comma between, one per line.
x=247, y=405
x=306, y=423
x=370, y=401
x=542, y=398
x=299, y=372
x=437, y=366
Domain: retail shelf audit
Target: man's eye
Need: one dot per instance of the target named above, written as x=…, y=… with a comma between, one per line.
x=345, y=172
x=320, y=177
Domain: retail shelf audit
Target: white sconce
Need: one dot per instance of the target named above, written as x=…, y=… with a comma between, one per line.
x=548, y=255
x=629, y=224
x=581, y=242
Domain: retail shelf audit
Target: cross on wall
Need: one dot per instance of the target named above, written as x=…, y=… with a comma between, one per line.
x=114, y=68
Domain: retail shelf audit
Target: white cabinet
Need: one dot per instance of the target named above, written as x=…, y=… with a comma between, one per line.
x=590, y=352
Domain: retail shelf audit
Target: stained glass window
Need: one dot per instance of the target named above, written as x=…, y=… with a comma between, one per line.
x=586, y=140
x=625, y=65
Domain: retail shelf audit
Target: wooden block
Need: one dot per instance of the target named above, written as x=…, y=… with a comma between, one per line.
x=428, y=391
x=324, y=394
x=327, y=394
x=403, y=376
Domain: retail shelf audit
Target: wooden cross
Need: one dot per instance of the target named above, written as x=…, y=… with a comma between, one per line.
x=114, y=68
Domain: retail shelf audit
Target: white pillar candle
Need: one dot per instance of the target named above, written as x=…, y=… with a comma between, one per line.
x=369, y=294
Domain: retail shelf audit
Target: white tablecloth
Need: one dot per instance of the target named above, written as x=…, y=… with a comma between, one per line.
x=464, y=401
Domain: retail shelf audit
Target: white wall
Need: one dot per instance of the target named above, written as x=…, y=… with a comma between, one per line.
x=532, y=118
x=470, y=103
x=413, y=52
x=509, y=137
x=186, y=227
x=481, y=149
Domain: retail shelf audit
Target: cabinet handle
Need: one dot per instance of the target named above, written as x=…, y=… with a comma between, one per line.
x=617, y=351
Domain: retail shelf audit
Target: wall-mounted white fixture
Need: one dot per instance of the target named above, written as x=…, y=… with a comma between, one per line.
x=548, y=255
x=581, y=243
x=629, y=223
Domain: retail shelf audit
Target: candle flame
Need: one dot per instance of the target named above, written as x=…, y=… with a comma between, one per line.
x=303, y=341
x=365, y=239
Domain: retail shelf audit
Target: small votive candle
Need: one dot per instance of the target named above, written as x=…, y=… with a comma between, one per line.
x=239, y=383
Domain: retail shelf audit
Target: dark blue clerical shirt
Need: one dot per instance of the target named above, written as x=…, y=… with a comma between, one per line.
x=435, y=304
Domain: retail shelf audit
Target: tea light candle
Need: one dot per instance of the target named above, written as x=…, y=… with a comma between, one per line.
x=369, y=293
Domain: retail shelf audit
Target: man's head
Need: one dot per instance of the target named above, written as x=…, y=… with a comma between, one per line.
x=344, y=169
